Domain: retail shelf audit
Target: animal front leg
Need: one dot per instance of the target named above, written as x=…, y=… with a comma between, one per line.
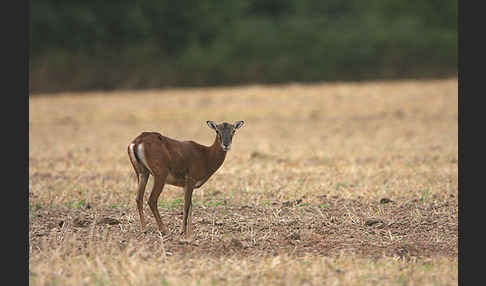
x=187, y=217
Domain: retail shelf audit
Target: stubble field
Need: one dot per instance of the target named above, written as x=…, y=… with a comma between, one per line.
x=328, y=184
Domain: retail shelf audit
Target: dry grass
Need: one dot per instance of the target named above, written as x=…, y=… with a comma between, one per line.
x=293, y=203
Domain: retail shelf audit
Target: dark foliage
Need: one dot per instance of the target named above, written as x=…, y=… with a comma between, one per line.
x=81, y=45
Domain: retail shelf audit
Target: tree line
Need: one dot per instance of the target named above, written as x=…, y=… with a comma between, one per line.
x=83, y=45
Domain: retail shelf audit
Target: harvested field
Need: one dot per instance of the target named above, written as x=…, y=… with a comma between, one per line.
x=343, y=183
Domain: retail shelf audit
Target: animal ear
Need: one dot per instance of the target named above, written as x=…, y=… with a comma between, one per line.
x=212, y=125
x=238, y=124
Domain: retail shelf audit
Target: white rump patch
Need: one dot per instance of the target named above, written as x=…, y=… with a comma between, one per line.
x=132, y=154
x=141, y=155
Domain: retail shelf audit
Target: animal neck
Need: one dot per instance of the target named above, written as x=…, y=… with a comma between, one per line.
x=216, y=155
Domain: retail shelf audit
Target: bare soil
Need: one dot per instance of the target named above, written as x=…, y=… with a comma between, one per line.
x=299, y=227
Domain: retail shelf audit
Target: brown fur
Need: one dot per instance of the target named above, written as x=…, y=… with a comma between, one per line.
x=185, y=164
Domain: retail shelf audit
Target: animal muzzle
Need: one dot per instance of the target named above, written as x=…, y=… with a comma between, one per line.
x=226, y=147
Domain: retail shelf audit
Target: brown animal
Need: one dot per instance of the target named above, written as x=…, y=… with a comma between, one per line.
x=185, y=164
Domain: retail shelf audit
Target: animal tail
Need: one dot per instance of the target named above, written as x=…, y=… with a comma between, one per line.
x=134, y=160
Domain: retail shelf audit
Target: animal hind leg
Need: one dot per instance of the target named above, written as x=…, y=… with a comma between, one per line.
x=159, y=182
x=141, y=190
x=142, y=178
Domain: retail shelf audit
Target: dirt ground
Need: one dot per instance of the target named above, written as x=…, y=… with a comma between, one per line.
x=298, y=227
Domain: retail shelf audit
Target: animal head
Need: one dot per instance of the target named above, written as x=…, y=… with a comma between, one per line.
x=225, y=132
